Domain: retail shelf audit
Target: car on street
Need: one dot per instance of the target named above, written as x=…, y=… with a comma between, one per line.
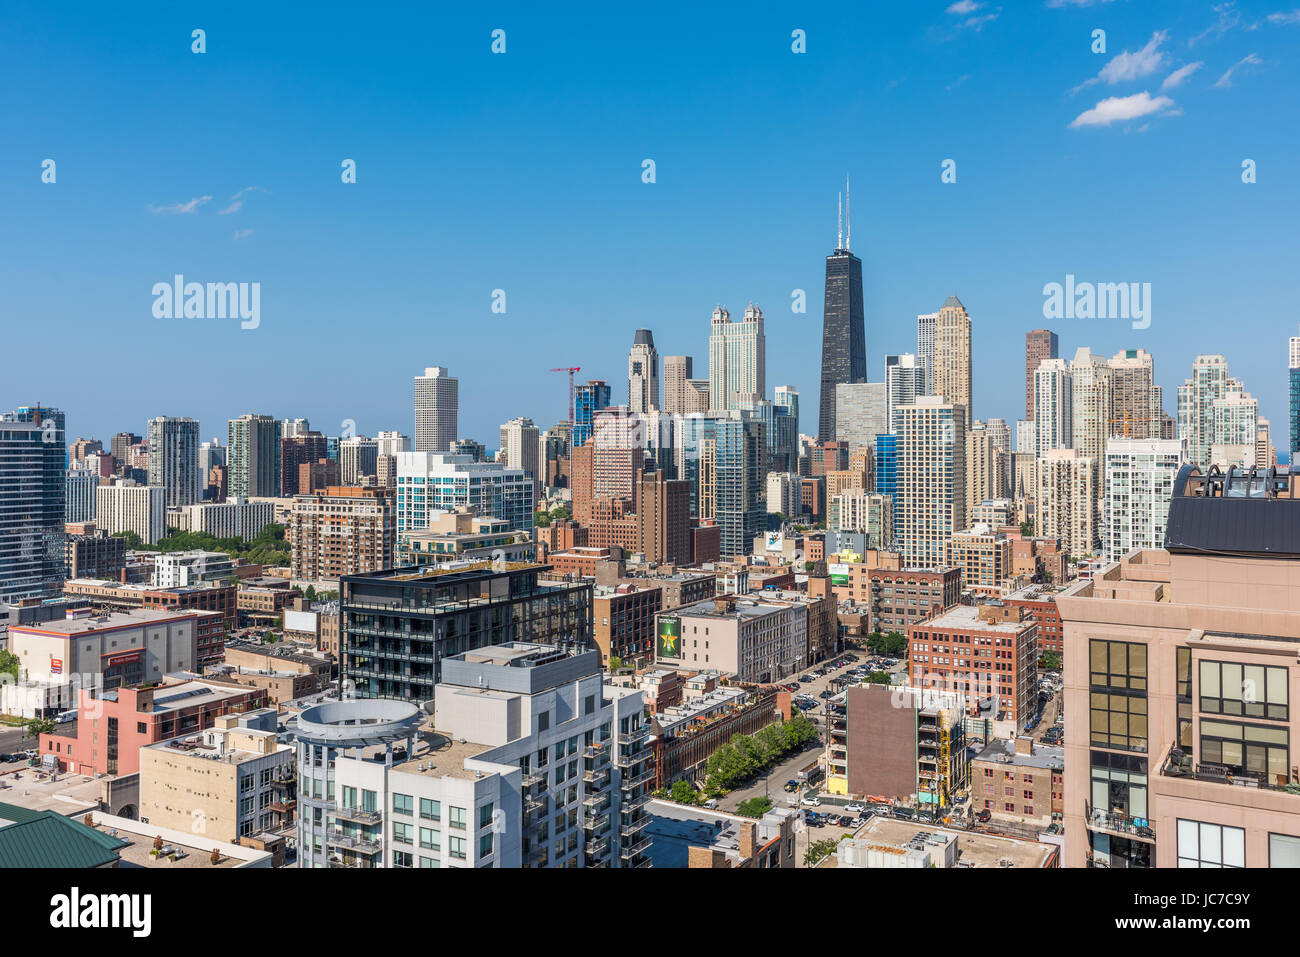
x=828, y=693
x=791, y=785
x=808, y=677
x=10, y=758
x=811, y=802
x=854, y=808
x=30, y=752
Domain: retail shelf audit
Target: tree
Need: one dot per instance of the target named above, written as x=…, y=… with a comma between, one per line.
x=1027, y=528
x=755, y=806
x=683, y=793
x=819, y=849
x=310, y=593
x=39, y=726
x=895, y=644
x=878, y=678
x=9, y=663
x=1050, y=661
x=615, y=663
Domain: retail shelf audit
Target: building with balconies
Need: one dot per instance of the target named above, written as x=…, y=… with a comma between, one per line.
x=1180, y=669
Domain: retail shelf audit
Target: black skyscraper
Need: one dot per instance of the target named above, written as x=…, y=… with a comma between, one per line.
x=844, y=332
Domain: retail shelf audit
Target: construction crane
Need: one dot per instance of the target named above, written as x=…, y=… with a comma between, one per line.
x=571, y=370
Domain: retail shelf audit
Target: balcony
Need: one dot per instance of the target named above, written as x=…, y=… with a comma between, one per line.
x=1179, y=764
x=596, y=823
x=361, y=845
x=359, y=815
x=637, y=847
x=598, y=778
x=1120, y=824
x=633, y=779
x=597, y=847
x=631, y=830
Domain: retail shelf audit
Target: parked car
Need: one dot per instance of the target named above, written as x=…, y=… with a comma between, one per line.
x=811, y=802
x=30, y=752
x=904, y=814
x=10, y=758
x=854, y=808
x=983, y=815
x=808, y=677
x=792, y=785
x=814, y=820
x=711, y=804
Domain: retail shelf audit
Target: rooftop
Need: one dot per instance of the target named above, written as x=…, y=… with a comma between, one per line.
x=968, y=617
x=438, y=756
x=1004, y=752
x=1245, y=512
x=134, y=618
x=973, y=849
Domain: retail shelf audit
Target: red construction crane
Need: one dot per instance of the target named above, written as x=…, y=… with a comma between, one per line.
x=571, y=370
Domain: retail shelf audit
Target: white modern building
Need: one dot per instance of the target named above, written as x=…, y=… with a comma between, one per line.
x=1140, y=477
x=1053, y=406
x=82, y=485
x=182, y=569
x=127, y=507
x=737, y=358
x=428, y=482
x=436, y=410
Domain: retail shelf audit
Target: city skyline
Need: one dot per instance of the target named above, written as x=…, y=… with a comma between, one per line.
x=123, y=219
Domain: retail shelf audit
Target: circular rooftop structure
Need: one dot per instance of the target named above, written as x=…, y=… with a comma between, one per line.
x=359, y=722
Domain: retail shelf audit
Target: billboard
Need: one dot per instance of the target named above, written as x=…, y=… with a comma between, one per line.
x=839, y=573
x=669, y=644
x=774, y=541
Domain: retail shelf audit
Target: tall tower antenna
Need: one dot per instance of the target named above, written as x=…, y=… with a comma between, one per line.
x=848, y=213
x=839, y=212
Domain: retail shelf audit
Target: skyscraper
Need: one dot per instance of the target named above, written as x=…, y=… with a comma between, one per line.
x=33, y=491
x=1214, y=409
x=952, y=355
x=926, y=340
x=677, y=370
x=1090, y=404
x=301, y=448
x=1067, y=504
x=1139, y=482
x=436, y=410
x=358, y=456
x=1040, y=344
x=1135, y=399
x=931, y=480
x=904, y=381
x=643, y=373
x=588, y=399
x=254, y=456
x=174, y=459
x=861, y=413
x=519, y=449
x=844, y=330
x=737, y=359
x=1053, y=406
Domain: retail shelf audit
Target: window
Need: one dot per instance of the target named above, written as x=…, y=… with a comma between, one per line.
x=401, y=832
x=543, y=721
x=1252, y=750
x=485, y=845
x=430, y=810
x=1210, y=845
x=1248, y=691
x=1117, y=704
x=485, y=815
x=403, y=859
x=430, y=839
x=456, y=846
x=1283, y=850
x=402, y=804
x=456, y=817
x=429, y=862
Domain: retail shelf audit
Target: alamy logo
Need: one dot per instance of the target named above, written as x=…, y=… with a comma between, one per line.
x=179, y=299
x=1103, y=300
x=75, y=910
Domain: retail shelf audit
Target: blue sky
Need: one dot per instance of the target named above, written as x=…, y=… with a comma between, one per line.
x=522, y=172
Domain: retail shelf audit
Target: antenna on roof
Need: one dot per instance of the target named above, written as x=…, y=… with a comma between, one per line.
x=848, y=213
x=839, y=213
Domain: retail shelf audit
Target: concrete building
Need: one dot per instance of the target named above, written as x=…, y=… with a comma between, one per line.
x=737, y=358
x=1135, y=399
x=519, y=450
x=181, y=569
x=81, y=488
x=624, y=622
x=1067, y=505
x=905, y=379
x=1139, y=483
x=643, y=373
x=254, y=456
x=1040, y=344
x=983, y=555
x=1019, y=782
x=986, y=463
x=926, y=342
x=436, y=410
x=296, y=450
x=1053, y=407
x=754, y=639
x=783, y=494
x=342, y=531
x=1214, y=409
x=861, y=413
x=358, y=457
x=174, y=459
x=1180, y=667
x=234, y=518
x=931, y=500
x=462, y=535
x=235, y=777
x=677, y=370
x=429, y=483
x=1090, y=404
x=952, y=353
x=141, y=509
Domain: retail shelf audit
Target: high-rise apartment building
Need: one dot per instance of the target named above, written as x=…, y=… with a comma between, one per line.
x=952, y=354
x=931, y=501
x=926, y=345
x=588, y=399
x=254, y=457
x=1090, y=403
x=341, y=531
x=643, y=373
x=1293, y=392
x=844, y=331
x=121, y=442
x=1179, y=668
x=1040, y=344
x=297, y=450
x=358, y=456
x=427, y=483
x=174, y=459
x=737, y=358
x=1053, y=407
x=125, y=507
x=520, y=448
x=1068, y=501
x=985, y=467
x=437, y=398
x=677, y=370
x=1139, y=483
x=861, y=413
x=81, y=488
x=33, y=497
x=904, y=381
x=1202, y=421
x=1135, y=399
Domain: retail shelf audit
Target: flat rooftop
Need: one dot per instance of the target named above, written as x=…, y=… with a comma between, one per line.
x=973, y=849
x=742, y=608
x=118, y=619
x=967, y=616
x=187, y=694
x=438, y=755
x=1043, y=756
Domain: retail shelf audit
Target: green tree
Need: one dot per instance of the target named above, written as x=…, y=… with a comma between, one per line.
x=9, y=663
x=1050, y=661
x=683, y=793
x=1027, y=528
x=38, y=726
x=819, y=849
x=541, y=518
x=895, y=644
x=878, y=678
x=755, y=806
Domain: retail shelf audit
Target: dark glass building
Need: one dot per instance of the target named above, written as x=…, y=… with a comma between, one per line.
x=33, y=492
x=397, y=625
x=844, y=334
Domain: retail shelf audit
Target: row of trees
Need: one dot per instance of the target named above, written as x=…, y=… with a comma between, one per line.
x=891, y=645
x=269, y=547
x=746, y=755
x=542, y=518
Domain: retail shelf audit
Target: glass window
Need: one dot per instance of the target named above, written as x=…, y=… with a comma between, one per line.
x=430, y=810
x=456, y=817
x=402, y=804
x=485, y=845
x=1283, y=850
x=1210, y=845
x=429, y=862
x=1248, y=691
x=430, y=839
x=1118, y=707
x=456, y=847
x=485, y=815
x=401, y=832
x=1250, y=750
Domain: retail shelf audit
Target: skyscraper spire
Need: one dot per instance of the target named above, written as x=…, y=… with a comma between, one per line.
x=848, y=213
x=839, y=213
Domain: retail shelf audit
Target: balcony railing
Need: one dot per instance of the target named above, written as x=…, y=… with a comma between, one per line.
x=1179, y=764
x=359, y=844
x=357, y=814
x=635, y=848
x=1119, y=823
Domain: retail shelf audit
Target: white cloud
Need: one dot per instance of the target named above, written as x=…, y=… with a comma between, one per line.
x=1225, y=81
x=1128, y=65
x=242, y=233
x=1292, y=17
x=1074, y=3
x=237, y=201
x=1175, y=79
x=181, y=209
x=964, y=7
x=1118, y=108
x=1228, y=16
